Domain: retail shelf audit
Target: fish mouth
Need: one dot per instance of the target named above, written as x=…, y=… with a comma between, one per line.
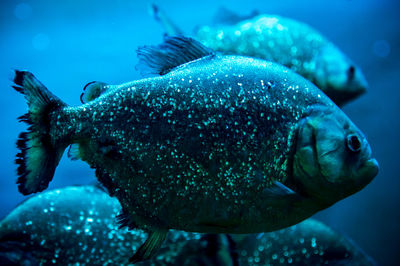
x=368, y=171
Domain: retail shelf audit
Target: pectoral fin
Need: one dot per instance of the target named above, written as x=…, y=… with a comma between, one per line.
x=279, y=194
x=93, y=90
x=279, y=189
x=150, y=246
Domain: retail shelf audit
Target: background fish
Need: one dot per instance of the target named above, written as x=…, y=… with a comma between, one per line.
x=283, y=40
x=308, y=243
x=77, y=225
x=221, y=144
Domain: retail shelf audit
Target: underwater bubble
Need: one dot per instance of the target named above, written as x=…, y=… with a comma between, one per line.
x=41, y=42
x=381, y=48
x=22, y=11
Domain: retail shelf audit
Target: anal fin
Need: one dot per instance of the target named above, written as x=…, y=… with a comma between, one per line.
x=150, y=247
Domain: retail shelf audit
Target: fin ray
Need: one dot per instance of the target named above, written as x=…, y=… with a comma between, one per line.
x=73, y=152
x=279, y=189
x=173, y=52
x=38, y=156
x=150, y=247
x=125, y=220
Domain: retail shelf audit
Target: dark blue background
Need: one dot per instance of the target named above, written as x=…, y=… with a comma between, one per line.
x=69, y=43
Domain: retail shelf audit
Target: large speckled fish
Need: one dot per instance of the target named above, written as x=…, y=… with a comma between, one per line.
x=285, y=41
x=216, y=144
x=76, y=225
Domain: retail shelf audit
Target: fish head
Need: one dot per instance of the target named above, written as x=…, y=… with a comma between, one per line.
x=332, y=158
x=338, y=76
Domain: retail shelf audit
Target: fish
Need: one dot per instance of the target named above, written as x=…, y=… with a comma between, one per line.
x=310, y=242
x=76, y=225
x=214, y=144
x=283, y=40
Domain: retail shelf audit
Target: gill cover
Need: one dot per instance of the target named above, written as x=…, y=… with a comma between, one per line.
x=319, y=147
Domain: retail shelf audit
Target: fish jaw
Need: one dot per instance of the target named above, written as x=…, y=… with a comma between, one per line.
x=368, y=171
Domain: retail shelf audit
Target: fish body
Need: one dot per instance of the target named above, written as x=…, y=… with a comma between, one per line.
x=220, y=144
x=77, y=225
x=286, y=41
x=184, y=146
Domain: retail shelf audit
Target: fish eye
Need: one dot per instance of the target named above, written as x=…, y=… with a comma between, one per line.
x=353, y=143
x=350, y=72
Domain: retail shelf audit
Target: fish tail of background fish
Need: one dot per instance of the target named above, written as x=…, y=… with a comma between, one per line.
x=39, y=153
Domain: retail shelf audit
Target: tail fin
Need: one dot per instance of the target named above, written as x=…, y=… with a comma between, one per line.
x=39, y=155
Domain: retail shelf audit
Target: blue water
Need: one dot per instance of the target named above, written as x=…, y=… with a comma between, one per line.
x=68, y=43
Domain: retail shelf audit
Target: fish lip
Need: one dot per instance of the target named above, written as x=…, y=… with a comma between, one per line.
x=372, y=163
x=363, y=84
x=345, y=97
x=368, y=171
x=360, y=91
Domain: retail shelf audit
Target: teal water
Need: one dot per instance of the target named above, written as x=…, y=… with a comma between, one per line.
x=67, y=44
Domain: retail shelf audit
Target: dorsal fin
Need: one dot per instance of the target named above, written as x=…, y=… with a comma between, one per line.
x=225, y=16
x=173, y=52
x=92, y=90
x=168, y=25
